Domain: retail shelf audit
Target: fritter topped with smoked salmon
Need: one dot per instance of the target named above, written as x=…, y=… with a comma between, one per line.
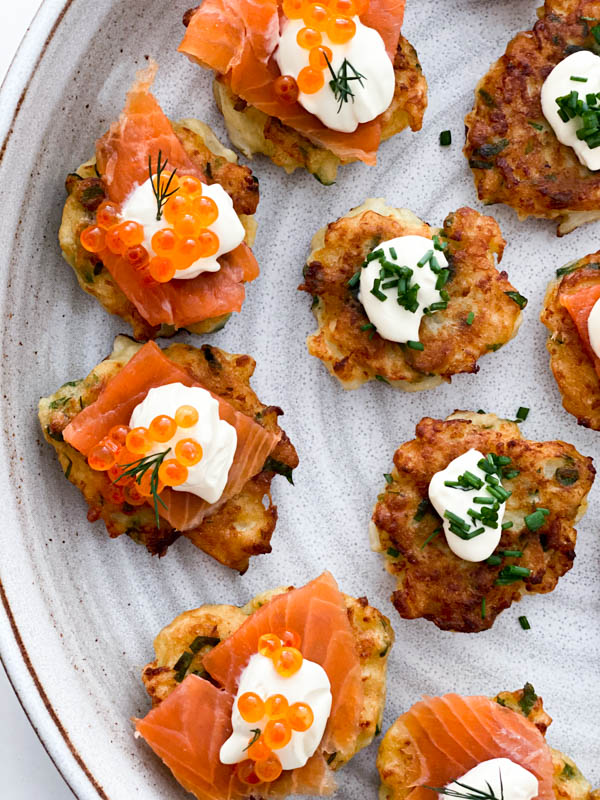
x=569, y=301
x=547, y=484
x=155, y=285
x=265, y=110
x=513, y=151
x=405, y=765
x=481, y=312
x=240, y=524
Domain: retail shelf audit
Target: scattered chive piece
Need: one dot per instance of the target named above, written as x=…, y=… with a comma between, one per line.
x=486, y=97
x=415, y=345
x=470, y=318
x=483, y=608
x=427, y=257
x=524, y=622
x=537, y=519
x=393, y=253
x=376, y=254
x=388, y=477
x=493, y=561
x=517, y=298
x=535, y=125
x=481, y=411
x=430, y=538
x=376, y=292
x=446, y=137
x=353, y=280
x=578, y=78
x=381, y=378
x=522, y=414
x=368, y=327
x=507, y=525
x=511, y=574
x=391, y=551
x=512, y=553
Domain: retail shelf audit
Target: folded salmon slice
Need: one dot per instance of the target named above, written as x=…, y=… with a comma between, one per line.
x=237, y=38
x=317, y=612
x=148, y=369
x=122, y=154
x=451, y=734
x=579, y=304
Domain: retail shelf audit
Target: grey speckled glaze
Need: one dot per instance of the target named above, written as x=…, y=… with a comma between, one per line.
x=85, y=609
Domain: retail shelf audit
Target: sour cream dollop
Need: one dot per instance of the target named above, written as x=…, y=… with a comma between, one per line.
x=583, y=64
x=392, y=321
x=309, y=685
x=365, y=52
x=458, y=501
x=218, y=438
x=140, y=206
x=505, y=778
x=594, y=327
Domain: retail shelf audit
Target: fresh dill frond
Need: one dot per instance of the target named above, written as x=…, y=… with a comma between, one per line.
x=161, y=192
x=340, y=81
x=137, y=470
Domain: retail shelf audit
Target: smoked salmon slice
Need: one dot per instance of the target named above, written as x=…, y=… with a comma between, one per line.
x=451, y=734
x=237, y=38
x=141, y=131
x=148, y=369
x=579, y=304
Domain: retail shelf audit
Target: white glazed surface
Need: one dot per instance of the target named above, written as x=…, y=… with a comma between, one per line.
x=87, y=608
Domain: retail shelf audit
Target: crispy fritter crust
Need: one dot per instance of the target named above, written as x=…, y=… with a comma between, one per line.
x=86, y=192
x=373, y=637
x=570, y=361
x=452, y=346
x=399, y=770
x=434, y=583
x=252, y=131
x=239, y=529
x=520, y=163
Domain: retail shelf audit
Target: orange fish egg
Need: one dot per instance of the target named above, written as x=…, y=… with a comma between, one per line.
x=188, y=225
x=164, y=242
x=319, y=56
x=308, y=38
x=346, y=8
x=168, y=181
x=286, y=88
x=208, y=243
x=277, y=734
x=269, y=645
x=115, y=474
x=186, y=416
x=310, y=80
x=205, y=211
x=176, y=206
x=341, y=29
x=300, y=716
x=138, y=441
x=276, y=706
x=132, y=495
x=103, y=455
x=288, y=661
x=315, y=15
x=137, y=256
x=161, y=269
x=245, y=772
x=145, y=485
x=126, y=457
x=269, y=769
x=114, y=494
x=187, y=252
x=189, y=185
x=188, y=452
x=118, y=433
x=172, y=473
x=132, y=233
x=258, y=751
x=113, y=240
x=293, y=8
x=251, y=707
x=291, y=639
x=93, y=239
x=162, y=428
x=107, y=214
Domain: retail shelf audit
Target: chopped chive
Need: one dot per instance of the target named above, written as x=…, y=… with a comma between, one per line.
x=483, y=608
x=375, y=290
x=470, y=318
x=511, y=473
x=376, y=254
x=430, y=538
x=517, y=298
x=512, y=553
x=391, y=551
x=578, y=78
x=438, y=244
x=450, y=515
x=507, y=525
x=425, y=259
x=353, y=280
x=422, y=509
x=511, y=574
x=446, y=137
x=368, y=327
x=388, y=477
x=522, y=414
x=535, y=125
x=483, y=501
x=381, y=379
x=393, y=253
x=537, y=519
x=493, y=561
x=524, y=622
x=415, y=345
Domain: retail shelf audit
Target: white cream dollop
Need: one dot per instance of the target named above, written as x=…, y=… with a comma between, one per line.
x=507, y=779
x=218, y=438
x=140, y=206
x=583, y=64
x=594, y=327
x=458, y=501
x=309, y=685
x=367, y=54
x=392, y=321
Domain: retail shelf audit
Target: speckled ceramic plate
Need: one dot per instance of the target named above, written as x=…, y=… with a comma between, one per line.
x=80, y=610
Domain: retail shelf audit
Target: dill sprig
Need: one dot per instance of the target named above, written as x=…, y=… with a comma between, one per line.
x=471, y=792
x=256, y=736
x=137, y=470
x=161, y=192
x=340, y=81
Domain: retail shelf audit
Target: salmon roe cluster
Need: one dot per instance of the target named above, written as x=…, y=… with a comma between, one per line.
x=331, y=18
x=176, y=247
x=124, y=448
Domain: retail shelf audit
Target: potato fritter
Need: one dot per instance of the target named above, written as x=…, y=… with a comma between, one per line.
x=453, y=340
x=86, y=192
x=176, y=656
x=514, y=154
x=252, y=131
x=399, y=769
x=434, y=583
x=241, y=527
x=570, y=361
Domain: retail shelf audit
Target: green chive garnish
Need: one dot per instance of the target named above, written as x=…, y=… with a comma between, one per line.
x=483, y=608
x=536, y=520
x=517, y=298
x=368, y=327
x=381, y=379
x=522, y=414
x=470, y=318
x=393, y=253
x=446, y=137
x=524, y=622
x=415, y=345
x=424, y=260
x=391, y=551
x=578, y=78
x=493, y=561
x=388, y=477
x=512, y=553
x=507, y=525
x=430, y=538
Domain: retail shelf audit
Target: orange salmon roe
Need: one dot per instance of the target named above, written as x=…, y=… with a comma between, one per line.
x=161, y=269
x=188, y=251
x=291, y=639
x=277, y=734
x=286, y=88
x=113, y=240
x=114, y=494
x=188, y=225
x=137, y=256
x=164, y=242
x=245, y=772
x=186, y=416
x=288, y=661
x=269, y=644
x=107, y=214
x=132, y=233
x=93, y=238
x=115, y=473
x=293, y=8
x=300, y=716
x=310, y=80
x=276, y=706
x=208, y=243
x=176, y=206
x=205, y=210
x=258, y=751
x=138, y=441
x=346, y=8
x=251, y=707
x=315, y=15
x=118, y=433
x=172, y=473
x=189, y=185
x=162, y=428
x=341, y=29
x=308, y=38
x=145, y=485
x=269, y=769
x=132, y=495
x=188, y=452
x=103, y=455
x=318, y=57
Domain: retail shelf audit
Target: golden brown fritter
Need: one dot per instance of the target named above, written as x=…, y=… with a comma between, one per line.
x=434, y=583
x=86, y=191
x=570, y=361
x=399, y=770
x=514, y=154
x=355, y=354
x=252, y=131
x=179, y=652
x=239, y=529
